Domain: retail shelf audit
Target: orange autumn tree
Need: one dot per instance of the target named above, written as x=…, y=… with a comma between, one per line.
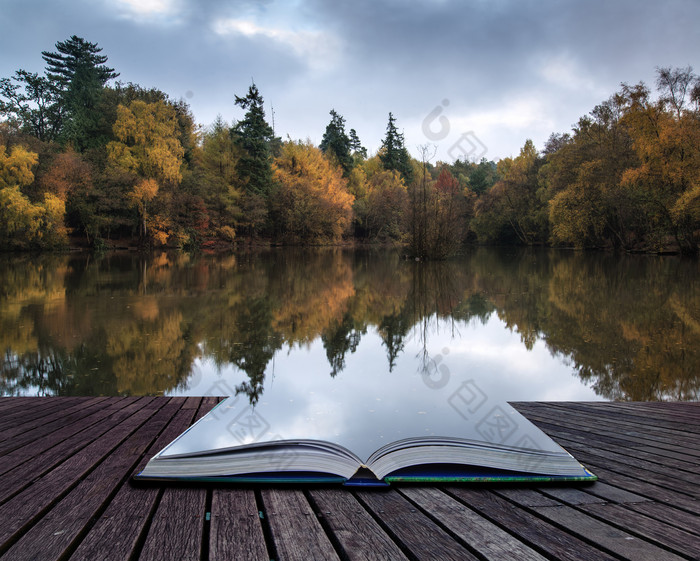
x=313, y=203
x=666, y=138
x=386, y=205
x=70, y=179
x=148, y=147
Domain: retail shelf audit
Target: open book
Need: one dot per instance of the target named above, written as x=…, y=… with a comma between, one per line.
x=236, y=442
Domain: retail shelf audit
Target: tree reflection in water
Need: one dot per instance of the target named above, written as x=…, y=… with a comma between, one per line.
x=130, y=325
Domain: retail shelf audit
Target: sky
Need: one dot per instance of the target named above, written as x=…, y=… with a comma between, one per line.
x=488, y=366
x=464, y=79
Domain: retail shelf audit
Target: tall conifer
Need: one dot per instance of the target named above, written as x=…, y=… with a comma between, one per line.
x=254, y=136
x=78, y=72
x=337, y=143
x=393, y=154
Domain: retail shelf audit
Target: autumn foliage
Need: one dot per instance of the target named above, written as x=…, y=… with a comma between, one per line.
x=103, y=162
x=312, y=202
x=25, y=224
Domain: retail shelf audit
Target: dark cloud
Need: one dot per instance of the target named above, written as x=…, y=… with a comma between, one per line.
x=510, y=68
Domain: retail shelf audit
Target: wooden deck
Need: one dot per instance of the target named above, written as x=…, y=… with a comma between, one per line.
x=66, y=493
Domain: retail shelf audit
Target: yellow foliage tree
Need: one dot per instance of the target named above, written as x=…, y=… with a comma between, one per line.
x=24, y=224
x=577, y=214
x=313, y=200
x=16, y=167
x=148, y=146
x=142, y=194
x=387, y=201
x=147, y=141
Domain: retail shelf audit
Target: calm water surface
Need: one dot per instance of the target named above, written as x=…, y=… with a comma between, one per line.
x=516, y=325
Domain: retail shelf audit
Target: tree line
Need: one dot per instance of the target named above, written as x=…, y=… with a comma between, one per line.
x=85, y=157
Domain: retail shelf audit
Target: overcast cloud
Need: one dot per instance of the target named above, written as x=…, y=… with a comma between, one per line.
x=507, y=70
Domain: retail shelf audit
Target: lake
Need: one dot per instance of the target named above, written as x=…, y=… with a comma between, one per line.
x=512, y=324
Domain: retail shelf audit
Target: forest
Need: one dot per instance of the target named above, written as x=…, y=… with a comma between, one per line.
x=86, y=160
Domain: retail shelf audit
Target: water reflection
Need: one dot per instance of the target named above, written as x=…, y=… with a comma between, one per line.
x=629, y=327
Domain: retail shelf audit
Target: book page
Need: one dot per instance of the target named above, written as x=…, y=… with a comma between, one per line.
x=363, y=413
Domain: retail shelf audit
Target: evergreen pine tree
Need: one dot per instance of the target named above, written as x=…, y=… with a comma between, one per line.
x=394, y=155
x=337, y=143
x=254, y=136
x=73, y=56
x=79, y=75
x=356, y=145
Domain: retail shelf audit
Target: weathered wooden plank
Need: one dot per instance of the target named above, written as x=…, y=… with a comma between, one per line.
x=192, y=403
x=296, y=532
x=236, y=530
x=525, y=496
x=614, y=494
x=27, y=433
x=24, y=508
x=128, y=514
x=679, y=482
x=55, y=534
x=659, y=459
x=576, y=429
x=58, y=437
x=623, y=540
x=644, y=434
x=187, y=521
x=483, y=536
x=669, y=514
x=7, y=404
x=416, y=532
x=588, y=425
x=646, y=489
x=591, y=424
x=177, y=526
x=634, y=447
x=665, y=535
x=588, y=453
x=659, y=530
x=23, y=425
x=117, y=532
x=622, y=477
x=636, y=414
x=179, y=529
x=531, y=530
x=40, y=407
x=636, y=465
x=16, y=479
x=655, y=455
x=206, y=405
x=570, y=495
x=358, y=535
x=639, y=411
x=676, y=411
x=619, y=542
x=34, y=410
